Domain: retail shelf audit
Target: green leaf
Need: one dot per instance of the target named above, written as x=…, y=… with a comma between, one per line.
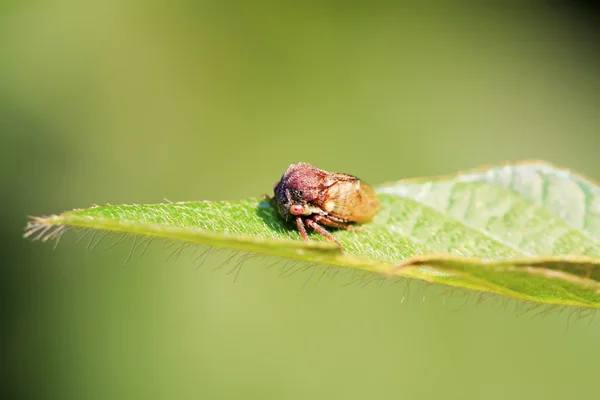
x=530, y=231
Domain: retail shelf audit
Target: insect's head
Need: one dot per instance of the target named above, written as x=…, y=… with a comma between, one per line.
x=290, y=201
x=298, y=187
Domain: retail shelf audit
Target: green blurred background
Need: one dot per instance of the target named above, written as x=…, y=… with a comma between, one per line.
x=135, y=101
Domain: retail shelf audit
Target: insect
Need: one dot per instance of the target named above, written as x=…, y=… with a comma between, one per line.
x=313, y=197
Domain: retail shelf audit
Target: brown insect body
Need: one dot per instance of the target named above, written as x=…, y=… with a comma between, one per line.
x=312, y=197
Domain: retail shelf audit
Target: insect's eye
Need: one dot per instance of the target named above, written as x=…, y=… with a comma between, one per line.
x=296, y=209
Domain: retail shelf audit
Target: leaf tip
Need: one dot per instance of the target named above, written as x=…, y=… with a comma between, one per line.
x=44, y=228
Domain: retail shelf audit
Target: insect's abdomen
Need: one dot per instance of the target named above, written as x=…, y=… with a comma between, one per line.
x=352, y=201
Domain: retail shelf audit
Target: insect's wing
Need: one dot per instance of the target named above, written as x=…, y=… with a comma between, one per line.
x=350, y=199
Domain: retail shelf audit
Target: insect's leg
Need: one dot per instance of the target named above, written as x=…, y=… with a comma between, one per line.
x=312, y=224
x=301, y=228
x=334, y=224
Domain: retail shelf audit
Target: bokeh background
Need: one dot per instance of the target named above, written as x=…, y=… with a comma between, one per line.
x=130, y=101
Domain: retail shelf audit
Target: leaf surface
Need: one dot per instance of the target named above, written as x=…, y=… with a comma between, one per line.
x=530, y=231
